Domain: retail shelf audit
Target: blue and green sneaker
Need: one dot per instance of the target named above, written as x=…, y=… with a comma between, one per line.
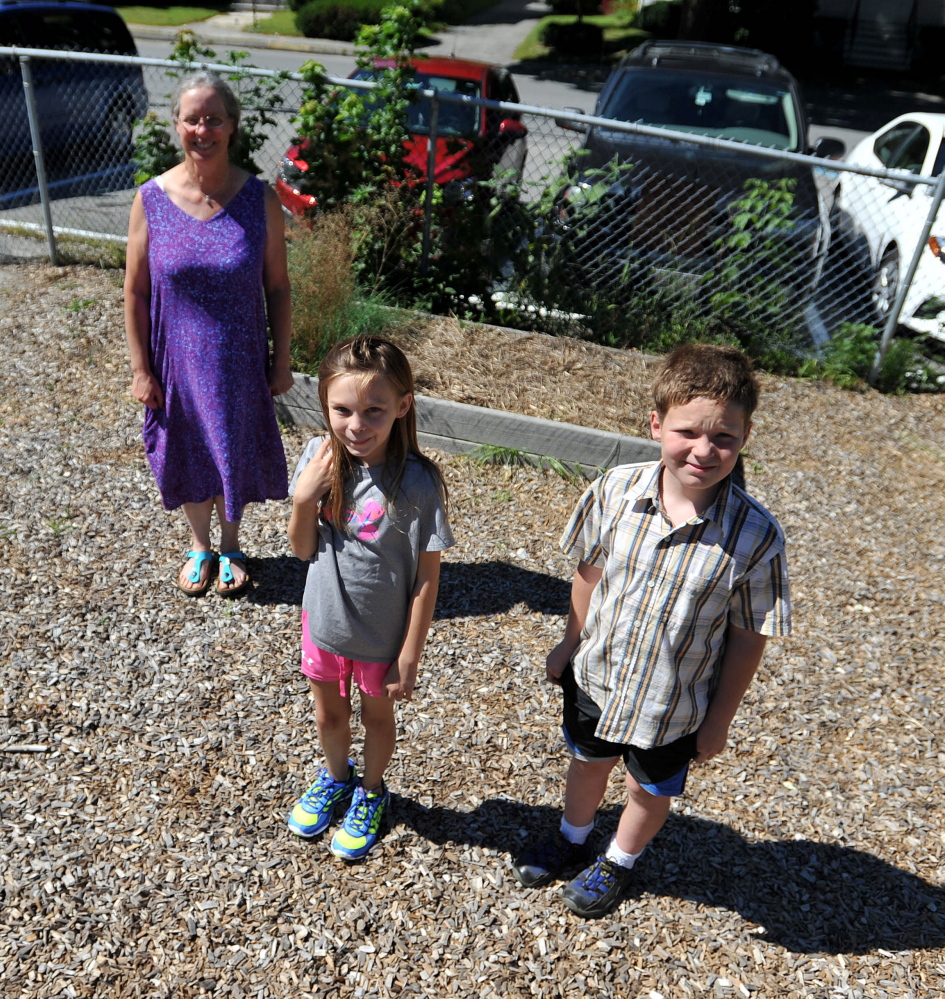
x=359, y=831
x=313, y=811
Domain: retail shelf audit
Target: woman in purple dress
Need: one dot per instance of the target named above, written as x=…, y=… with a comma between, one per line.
x=206, y=281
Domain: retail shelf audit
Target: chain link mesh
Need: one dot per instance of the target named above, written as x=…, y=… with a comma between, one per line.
x=795, y=245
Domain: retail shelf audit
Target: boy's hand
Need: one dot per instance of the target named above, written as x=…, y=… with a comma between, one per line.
x=711, y=739
x=557, y=662
x=400, y=680
x=315, y=479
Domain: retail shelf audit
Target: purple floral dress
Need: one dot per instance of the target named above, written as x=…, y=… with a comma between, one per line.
x=217, y=433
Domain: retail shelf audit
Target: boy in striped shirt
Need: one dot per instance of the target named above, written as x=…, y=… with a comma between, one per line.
x=681, y=578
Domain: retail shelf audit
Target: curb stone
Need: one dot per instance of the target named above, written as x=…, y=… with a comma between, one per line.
x=459, y=428
x=209, y=35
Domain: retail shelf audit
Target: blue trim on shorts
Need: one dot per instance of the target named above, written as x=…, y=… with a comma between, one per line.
x=671, y=786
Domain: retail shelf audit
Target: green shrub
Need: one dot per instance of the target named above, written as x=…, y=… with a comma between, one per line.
x=847, y=361
x=457, y=11
x=661, y=18
x=575, y=39
x=155, y=151
x=337, y=19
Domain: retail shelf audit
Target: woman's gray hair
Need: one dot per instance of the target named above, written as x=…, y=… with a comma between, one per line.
x=204, y=78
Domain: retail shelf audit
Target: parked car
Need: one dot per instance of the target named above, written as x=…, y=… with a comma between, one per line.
x=633, y=202
x=86, y=110
x=880, y=220
x=473, y=143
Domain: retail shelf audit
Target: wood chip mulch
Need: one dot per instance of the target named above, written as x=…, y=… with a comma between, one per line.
x=151, y=745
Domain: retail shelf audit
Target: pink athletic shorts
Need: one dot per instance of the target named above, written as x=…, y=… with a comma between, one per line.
x=317, y=664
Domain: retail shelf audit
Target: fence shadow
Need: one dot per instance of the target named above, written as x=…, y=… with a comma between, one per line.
x=809, y=897
x=476, y=589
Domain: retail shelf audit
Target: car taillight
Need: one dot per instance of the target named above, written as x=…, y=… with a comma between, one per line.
x=937, y=246
x=290, y=170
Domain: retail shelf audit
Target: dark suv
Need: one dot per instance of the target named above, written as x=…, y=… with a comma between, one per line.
x=86, y=110
x=635, y=200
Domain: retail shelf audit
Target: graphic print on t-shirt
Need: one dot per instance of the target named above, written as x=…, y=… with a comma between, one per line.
x=365, y=522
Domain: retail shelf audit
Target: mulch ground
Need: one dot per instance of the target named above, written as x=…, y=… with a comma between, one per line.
x=151, y=744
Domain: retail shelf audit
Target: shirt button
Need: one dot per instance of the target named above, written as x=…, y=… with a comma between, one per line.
x=652, y=582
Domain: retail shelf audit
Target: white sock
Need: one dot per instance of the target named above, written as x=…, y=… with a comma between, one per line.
x=621, y=859
x=575, y=834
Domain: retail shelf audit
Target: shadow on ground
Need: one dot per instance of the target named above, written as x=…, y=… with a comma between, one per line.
x=807, y=896
x=466, y=589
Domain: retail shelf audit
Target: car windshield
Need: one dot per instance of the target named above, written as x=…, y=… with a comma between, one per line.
x=707, y=104
x=454, y=118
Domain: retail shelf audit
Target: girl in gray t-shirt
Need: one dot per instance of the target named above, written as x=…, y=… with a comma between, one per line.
x=369, y=512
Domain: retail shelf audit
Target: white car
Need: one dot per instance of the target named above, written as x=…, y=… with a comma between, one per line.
x=882, y=219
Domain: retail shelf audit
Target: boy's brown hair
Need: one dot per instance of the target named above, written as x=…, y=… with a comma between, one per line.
x=705, y=371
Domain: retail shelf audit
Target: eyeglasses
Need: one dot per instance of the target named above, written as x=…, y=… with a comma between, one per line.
x=209, y=120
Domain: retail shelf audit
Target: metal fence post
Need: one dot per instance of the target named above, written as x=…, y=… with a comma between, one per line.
x=431, y=183
x=30, y=94
x=892, y=320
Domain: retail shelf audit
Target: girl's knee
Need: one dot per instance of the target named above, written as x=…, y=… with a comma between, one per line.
x=332, y=711
x=376, y=711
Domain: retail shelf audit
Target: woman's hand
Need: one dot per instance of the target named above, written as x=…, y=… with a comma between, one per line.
x=147, y=389
x=280, y=379
x=315, y=480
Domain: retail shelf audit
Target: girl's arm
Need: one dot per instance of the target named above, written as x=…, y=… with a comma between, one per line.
x=312, y=486
x=586, y=577
x=743, y=651
x=144, y=386
x=402, y=676
x=278, y=296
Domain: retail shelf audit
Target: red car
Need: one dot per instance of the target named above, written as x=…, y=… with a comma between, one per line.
x=472, y=143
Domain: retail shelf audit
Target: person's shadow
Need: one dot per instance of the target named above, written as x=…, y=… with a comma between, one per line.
x=808, y=897
x=466, y=589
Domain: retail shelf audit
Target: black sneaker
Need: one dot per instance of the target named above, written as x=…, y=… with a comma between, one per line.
x=598, y=890
x=541, y=864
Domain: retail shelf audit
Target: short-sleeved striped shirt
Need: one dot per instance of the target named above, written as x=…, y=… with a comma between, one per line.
x=657, y=621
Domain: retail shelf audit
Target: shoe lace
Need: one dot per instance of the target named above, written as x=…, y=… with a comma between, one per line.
x=320, y=793
x=361, y=812
x=601, y=876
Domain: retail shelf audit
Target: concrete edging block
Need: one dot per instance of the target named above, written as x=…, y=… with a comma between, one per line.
x=459, y=428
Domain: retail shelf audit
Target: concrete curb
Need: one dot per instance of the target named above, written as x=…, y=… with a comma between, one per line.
x=461, y=429
x=243, y=39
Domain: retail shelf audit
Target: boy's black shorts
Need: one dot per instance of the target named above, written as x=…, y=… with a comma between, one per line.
x=646, y=766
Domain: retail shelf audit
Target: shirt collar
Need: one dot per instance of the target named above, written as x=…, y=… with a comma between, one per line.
x=649, y=497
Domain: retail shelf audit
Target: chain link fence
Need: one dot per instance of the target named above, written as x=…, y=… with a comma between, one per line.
x=598, y=217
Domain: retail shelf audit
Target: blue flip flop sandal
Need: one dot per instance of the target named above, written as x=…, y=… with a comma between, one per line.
x=194, y=575
x=226, y=574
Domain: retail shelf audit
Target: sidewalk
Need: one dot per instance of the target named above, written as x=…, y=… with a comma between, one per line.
x=491, y=36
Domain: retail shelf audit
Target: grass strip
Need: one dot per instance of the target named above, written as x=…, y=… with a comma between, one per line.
x=166, y=16
x=282, y=22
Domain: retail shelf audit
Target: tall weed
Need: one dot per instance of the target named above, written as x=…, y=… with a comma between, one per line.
x=325, y=305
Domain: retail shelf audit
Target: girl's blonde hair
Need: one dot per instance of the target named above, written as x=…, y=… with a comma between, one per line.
x=369, y=357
